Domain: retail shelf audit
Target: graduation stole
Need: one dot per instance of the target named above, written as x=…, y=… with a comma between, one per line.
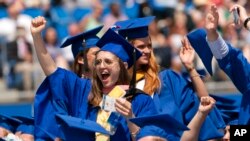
x=103, y=116
x=102, y=119
x=139, y=75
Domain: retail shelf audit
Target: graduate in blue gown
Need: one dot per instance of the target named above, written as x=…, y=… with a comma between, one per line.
x=111, y=64
x=170, y=91
x=62, y=91
x=172, y=127
x=83, y=47
x=230, y=60
x=72, y=98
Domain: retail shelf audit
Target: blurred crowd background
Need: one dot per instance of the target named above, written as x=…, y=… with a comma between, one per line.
x=20, y=73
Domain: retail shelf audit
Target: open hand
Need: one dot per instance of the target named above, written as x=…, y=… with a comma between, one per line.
x=187, y=54
x=212, y=18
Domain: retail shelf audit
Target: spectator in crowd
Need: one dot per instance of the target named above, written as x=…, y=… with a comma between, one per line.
x=20, y=61
x=51, y=43
x=73, y=30
x=94, y=18
x=115, y=14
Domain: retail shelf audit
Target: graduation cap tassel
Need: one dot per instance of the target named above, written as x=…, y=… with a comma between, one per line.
x=132, y=85
x=85, y=62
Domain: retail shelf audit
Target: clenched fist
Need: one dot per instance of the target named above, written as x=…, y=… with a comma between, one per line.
x=37, y=25
x=206, y=104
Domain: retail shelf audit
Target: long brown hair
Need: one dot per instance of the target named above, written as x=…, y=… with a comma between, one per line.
x=152, y=80
x=79, y=68
x=96, y=91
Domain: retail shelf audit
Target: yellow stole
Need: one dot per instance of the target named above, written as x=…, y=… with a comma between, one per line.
x=139, y=75
x=102, y=119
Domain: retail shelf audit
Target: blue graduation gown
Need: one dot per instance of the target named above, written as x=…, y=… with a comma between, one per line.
x=177, y=98
x=65, y=93
x=236, y=66
x=62, y=92
x=142, y=105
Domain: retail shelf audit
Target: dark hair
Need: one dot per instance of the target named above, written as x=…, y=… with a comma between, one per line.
x=79, y=69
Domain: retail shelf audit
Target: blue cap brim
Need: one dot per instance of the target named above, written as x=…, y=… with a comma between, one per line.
x=163, y=121
x=81, y=124
x=89, y=37
x=9, y=123
x=27, y=125
x=197, y=39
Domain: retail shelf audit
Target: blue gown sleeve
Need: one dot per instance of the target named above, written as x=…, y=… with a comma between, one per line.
x=143, y=105
x=236, y=66
x=60, y=93
x=178, y=99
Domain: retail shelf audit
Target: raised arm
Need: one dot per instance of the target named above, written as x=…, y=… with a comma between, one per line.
x=212, y=20
x=187, y=55
x=206, y=105
x=230, y=60
x=47, y=63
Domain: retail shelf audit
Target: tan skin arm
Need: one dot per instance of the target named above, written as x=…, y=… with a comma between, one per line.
x=187, y=55
x=206, y=105
x=47, y=63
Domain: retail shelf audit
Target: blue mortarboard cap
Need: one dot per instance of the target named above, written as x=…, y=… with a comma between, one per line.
x=9, y=123
x=197, y=39
x=86, y=39
x=134, y=28
x=117, y=45
x=164, y=121
x=27, y=125
x=229, y=107
x=77, y=128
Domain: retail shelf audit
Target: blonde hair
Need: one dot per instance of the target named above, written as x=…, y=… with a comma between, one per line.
x=151, y=70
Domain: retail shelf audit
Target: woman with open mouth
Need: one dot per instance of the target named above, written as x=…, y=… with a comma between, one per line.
x=111, y=65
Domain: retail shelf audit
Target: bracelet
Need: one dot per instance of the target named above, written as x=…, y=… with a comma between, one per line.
x=195, y=76
x=136, y=132
x=190, y=69
x=246, y=21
